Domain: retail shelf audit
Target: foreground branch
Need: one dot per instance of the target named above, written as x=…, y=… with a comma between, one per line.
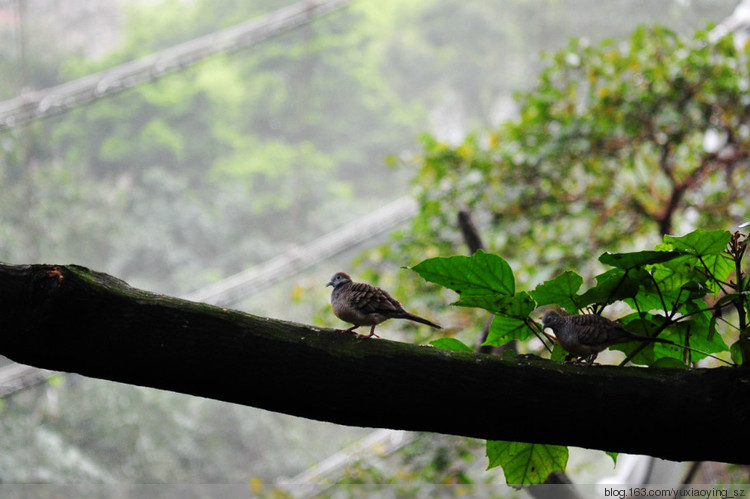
x=73, y=319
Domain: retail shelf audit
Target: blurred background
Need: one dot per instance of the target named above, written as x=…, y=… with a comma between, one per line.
x=265, y=145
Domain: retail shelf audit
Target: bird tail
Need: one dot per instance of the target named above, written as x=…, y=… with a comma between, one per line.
x=419, y=319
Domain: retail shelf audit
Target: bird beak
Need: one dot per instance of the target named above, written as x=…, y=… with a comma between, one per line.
x=330, y=283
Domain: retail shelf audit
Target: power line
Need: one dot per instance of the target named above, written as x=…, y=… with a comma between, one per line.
x=255, y=279
x=55, y=100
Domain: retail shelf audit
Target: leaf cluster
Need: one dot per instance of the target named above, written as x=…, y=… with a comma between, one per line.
x=617, y=144
x=682, y=291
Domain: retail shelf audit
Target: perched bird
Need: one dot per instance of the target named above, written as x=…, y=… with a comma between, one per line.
x=365, y=305
x=587, y=335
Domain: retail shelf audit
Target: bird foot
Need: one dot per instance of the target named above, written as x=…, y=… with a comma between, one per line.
x=350, y=330
x=365, y=336
x=580, y=361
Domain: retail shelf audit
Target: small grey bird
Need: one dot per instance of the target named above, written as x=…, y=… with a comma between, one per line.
x=364, y=305
x=587, y=335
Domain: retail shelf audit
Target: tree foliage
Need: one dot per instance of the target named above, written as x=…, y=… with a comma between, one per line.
x=678, y=292
x=619, y=144
x=681, y=292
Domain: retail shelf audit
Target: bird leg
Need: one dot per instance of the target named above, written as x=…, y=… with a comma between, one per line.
x=592, y=358
x=580, y=361
x=350, y=330
x=372, y=333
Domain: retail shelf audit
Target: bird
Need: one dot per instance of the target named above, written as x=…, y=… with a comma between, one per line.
x=588, y=334
x=362, y=304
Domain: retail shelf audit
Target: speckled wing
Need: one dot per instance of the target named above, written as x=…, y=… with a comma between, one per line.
x=369, y=299
x=596, y=331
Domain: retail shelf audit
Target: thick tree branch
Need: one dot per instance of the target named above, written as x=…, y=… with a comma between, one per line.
x=72, y=319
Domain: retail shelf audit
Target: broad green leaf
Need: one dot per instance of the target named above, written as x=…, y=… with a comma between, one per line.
x=704, y=254
x=627, y=261
x=476, y=275
x=694, y=332
x=487, y=302
x=644, y=326
x=674, y=274
x=562, y=290
x=701, y=242
x=699, y=332
x=695, y=289
x=651, y=300
x=451, y=344
x=509, y=322
x=614, y=285
x=733, y=297
x=645, y=355
x=669, y=362
x=559, y=354
x=519, y=306
x=720, y=267
x=735, y=351
x=504, y=329
x=526, y=464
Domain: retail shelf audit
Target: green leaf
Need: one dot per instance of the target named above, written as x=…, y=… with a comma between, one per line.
x=559, y=354
x=627, y=261
x=691, y=268
x=562, y=290
x=700, y=331
x=614, y=285
x=704, y=251
x=478, y=275
x=451, y=344
x=509, y=322
x=669, y=362
x=518, y=306
x=505, y=329
x=720, y=267
x=696, y=332
x=701, y=242
x=732, y=297
x=649, y=299
x=613, y=455
x=487, y=302
x=644, y=326
x=526, y=464
x=735, y=351
x=695, y=289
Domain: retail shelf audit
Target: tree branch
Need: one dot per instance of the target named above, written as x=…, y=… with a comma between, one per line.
x=69, y=318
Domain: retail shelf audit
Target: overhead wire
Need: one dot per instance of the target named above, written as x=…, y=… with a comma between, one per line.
x=36, y=104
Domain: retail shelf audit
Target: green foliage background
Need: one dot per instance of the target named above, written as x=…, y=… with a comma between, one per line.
x=607, y=154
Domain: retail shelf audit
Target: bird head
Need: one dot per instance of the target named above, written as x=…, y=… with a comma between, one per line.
x=550, y=318
x=338, y=279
